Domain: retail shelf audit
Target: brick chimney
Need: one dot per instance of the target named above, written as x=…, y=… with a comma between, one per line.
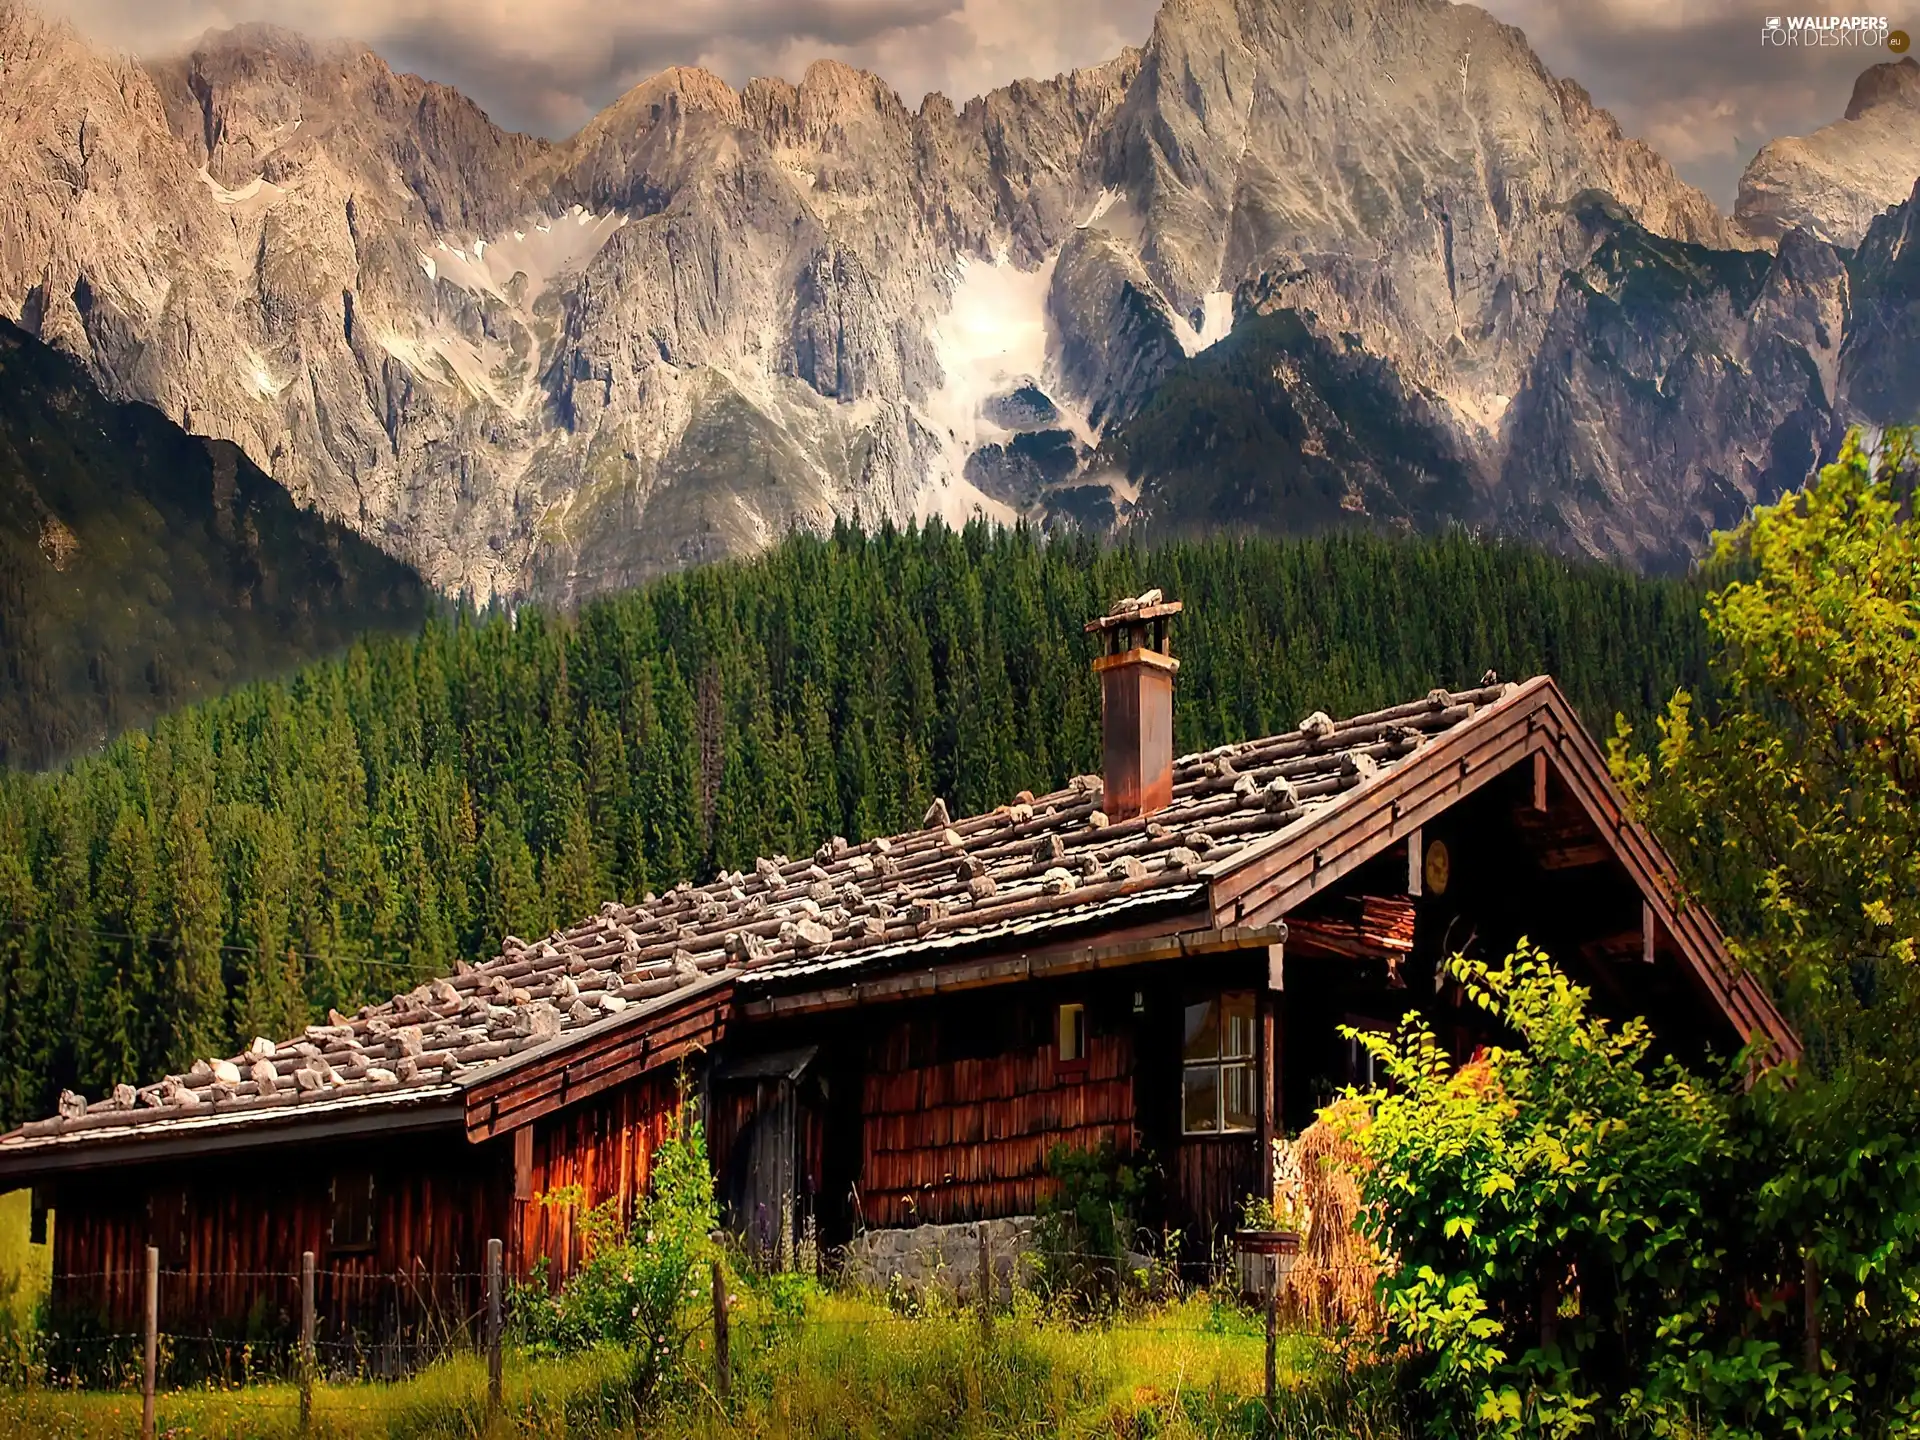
x=1136, y=671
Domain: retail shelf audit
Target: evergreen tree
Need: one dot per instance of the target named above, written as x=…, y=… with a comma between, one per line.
x=312, y=842
x=193, y=987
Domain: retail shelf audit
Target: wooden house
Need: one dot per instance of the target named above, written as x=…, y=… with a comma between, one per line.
x=895, y=1033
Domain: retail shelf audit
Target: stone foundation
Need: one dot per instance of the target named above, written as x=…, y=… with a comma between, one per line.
x=945, y=1257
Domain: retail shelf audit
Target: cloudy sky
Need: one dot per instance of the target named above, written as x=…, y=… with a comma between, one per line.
x=1690, y=76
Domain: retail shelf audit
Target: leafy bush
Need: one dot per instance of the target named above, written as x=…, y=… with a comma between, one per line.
x=639, y=1278
x=1790, y=802
x=1087, y=1226
x=1589, y=1241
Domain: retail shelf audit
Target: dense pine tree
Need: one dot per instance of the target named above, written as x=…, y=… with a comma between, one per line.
x=339, y=835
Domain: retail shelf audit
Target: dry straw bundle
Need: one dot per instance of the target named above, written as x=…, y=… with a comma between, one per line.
x=1317, y=1185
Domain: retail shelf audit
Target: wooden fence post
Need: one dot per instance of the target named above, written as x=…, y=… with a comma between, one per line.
x=722, y=1356
x=1273, y=1339
x=307, y=1365
x=493, y=1325
x=153, y=1343
x=986, y=1285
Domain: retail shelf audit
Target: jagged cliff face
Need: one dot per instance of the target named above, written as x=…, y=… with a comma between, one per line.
x=556, y=368
x=523, y=366
x=1835, y=181
x=1879, y=380
x=1675, y=386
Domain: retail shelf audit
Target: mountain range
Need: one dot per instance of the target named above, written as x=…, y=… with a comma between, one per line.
x=1290, y=264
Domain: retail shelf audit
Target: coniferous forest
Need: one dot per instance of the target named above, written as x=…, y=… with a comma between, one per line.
x=338, y=835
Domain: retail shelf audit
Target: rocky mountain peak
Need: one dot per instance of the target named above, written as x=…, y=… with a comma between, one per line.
x=1836, y=180
x=1896, y=82
x=554, y=368
x=680, y=90
x=242, y=101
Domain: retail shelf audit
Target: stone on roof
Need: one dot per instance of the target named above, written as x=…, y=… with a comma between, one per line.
x=1051, y=855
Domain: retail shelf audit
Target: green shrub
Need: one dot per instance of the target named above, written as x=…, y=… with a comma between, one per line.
x=642, y=1280
x=1087, y=1227
x=1588, y=1241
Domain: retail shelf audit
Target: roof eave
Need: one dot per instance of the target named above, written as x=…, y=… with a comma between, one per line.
x=1250, y=888
x=363, y=1117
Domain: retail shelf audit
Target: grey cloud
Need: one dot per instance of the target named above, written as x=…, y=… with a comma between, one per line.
x=547, y=68
x=1693, y=80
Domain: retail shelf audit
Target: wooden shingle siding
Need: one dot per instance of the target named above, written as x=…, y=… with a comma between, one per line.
x=967, y=1139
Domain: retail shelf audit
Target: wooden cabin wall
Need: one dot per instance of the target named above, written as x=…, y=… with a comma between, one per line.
x=1213, y=1175
x=768, y=1139
x=959, y=1107
x=583, y=1156
x=231, y=1231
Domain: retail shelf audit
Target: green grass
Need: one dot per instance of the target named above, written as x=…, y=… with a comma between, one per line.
x=24, y=1266
x=832, y=1367
x=26, y=1272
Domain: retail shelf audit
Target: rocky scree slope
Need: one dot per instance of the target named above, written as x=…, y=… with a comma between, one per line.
x=551, y=369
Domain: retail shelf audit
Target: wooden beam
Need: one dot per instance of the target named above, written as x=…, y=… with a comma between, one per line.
x=523, y=1163
x=1574, y=857
x=1540, y=781
x=1647, y=923
x=1277, y=968
x=1053, y=962
x=1416, y=863
x=1621, y=948
x=1264, y=1099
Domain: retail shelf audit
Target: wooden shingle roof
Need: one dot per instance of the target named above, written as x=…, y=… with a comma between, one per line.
x=1036, y=862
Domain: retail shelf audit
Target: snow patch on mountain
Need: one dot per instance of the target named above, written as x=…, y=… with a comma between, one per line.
x=1216, y=320
x=544, y=251
x=991, y=338
x=257, y=188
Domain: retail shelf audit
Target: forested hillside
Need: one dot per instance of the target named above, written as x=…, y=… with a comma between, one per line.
x=312, y=842
x=143, y=568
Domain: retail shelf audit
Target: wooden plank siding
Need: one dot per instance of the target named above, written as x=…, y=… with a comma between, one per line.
x=231, y=1235
x=1214, y=1174
x=584, y=1156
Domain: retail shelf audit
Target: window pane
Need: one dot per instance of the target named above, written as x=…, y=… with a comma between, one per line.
x=1237, y=1025
x=1073, y=1032
x=1360, y=1064
x=1237, y=1086
x=1203, y=1031
x=1200, y=1098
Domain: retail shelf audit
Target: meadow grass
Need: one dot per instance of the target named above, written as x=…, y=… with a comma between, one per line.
x=819, y=1365
x=26, y=1269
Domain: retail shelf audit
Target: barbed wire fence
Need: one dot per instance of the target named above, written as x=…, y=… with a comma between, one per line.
x=465, y=1312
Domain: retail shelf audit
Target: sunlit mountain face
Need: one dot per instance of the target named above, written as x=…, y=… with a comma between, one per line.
x=1282, y=266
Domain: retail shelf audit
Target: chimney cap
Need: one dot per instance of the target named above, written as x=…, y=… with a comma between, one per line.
x=1150, y=606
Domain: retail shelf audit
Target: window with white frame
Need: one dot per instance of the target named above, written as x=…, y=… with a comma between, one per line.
x=1216, y=1072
